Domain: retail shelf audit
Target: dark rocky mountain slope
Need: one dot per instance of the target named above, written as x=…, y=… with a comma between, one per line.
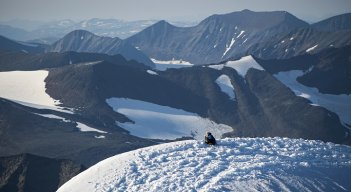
x=11, y=45
x=11, y=61
x=329, y=71
x=28, y=172
x=336, y=23
x=84, y=41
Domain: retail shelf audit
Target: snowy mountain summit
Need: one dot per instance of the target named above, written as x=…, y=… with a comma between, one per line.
x=240, y=164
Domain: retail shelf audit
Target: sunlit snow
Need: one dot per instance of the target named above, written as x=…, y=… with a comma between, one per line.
x=311, y=48
x=339, y=104
x=241, y=32
x=244, y=64
x=164, y=65
x=81, y=126
x=217, y=67
x=27, y=88
x=85, y=128
x=151, y=72
x=226, y=86
x=228, y=47
x=51, y=116
x=240, y=164
x=241, y=66
x=162, y=122
x=245, y=40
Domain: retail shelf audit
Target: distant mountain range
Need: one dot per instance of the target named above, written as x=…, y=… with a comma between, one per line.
x=263, y=34
x=16, y=46
x=48, y=32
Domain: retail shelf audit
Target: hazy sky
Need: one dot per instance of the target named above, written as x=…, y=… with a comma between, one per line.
x=191, y=10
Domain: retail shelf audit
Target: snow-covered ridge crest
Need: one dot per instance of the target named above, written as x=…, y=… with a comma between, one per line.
x=242, y=65
x=239, y=164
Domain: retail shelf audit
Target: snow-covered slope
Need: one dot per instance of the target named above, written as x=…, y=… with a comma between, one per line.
x=162, y=122
x=240, y=164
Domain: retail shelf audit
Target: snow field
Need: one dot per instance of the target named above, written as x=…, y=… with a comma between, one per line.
x=240, y=164
x=154, y=121
x=28, y=88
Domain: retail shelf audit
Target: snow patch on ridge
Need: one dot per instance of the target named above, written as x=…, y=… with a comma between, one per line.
x=82, y=127
x=151, y=72
x=241, y=32
x=229, y=47
x=311, y=48
x=217, y=67
x=240, y=164
x=244, y=64
x=226, y=86
x=162, y=122
x=164, y=65
x=241, y=66
x=85, y=128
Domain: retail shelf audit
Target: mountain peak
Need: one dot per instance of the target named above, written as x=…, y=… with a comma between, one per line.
x=248, y=19
x=163, y=23
x=80, y=32
x=246, y=10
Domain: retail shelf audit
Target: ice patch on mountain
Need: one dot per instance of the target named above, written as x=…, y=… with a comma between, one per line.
x=155, y=121
x=311, y=48
x=151, y=72
x=226, y=86
x=228, y=47
x=81, y=126
x=244, y=64
x=170, y=64
x=241, y=32
x=241, y=66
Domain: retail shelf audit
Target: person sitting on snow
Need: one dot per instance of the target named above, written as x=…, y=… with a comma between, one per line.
x=209, y=139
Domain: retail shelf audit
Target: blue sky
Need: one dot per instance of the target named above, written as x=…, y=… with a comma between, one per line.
x=189, y=10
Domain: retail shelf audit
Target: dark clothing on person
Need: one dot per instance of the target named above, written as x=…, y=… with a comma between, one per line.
x=209, y=139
